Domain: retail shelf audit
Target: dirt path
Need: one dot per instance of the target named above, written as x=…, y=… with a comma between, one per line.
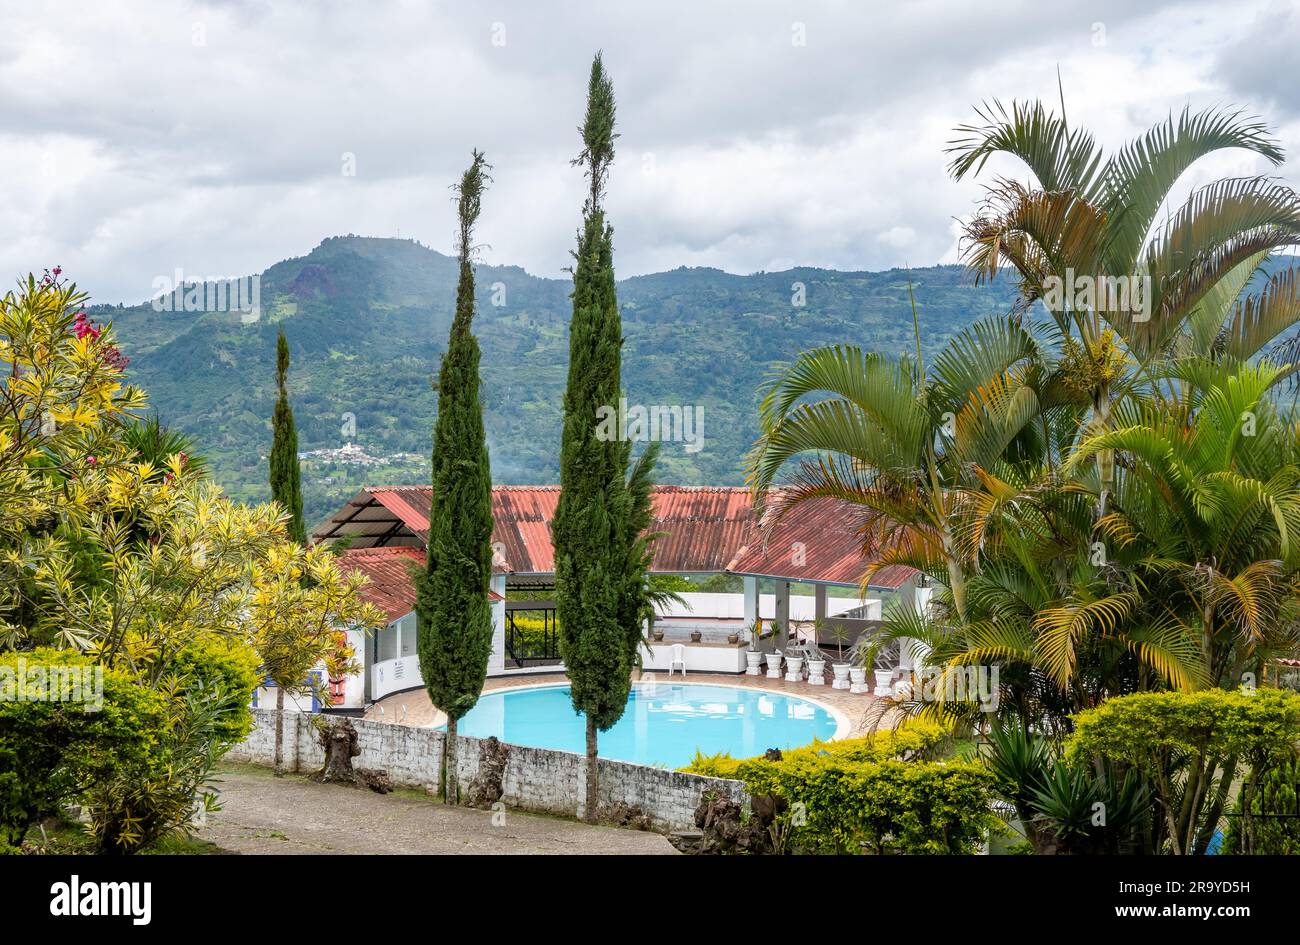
x=269, y=815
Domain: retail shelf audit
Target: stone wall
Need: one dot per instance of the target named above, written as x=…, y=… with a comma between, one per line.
x=536, y=779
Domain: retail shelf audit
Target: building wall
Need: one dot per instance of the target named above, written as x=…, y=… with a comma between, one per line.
x=536, y=779
x=711, y=606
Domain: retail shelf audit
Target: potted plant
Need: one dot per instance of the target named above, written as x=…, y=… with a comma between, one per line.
x=839, y=635
x=754, y=658
x=696, y=636
x=816, y=663
x=733, y=638
x=774, y=658
x=794, y=664
x=657, y=633
x=857, y=665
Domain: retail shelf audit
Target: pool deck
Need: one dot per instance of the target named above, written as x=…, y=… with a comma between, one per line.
x=862, y=712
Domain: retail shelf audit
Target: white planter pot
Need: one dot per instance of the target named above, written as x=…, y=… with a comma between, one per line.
x=857, y=680
x=754, y=661
x=816, y=672
x=841, y=671
x=884, y=681
x=794, y=668
x=774, y=666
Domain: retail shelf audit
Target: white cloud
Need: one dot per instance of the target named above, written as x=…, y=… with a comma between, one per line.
x=129, y=150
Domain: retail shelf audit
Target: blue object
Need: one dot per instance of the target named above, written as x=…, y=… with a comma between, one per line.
x=1215, y=846
x=663, y=725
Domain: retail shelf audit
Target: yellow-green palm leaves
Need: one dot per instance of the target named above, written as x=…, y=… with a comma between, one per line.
x=1085, y=215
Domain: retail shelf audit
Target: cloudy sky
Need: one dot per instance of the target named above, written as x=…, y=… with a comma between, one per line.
x=217, y=137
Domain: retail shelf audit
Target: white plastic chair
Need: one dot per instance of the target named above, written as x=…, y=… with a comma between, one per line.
x=678, y=658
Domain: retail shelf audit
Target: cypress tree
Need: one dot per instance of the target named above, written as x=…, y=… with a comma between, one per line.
x=455, y=618
x=594, y=528
x=286, y=481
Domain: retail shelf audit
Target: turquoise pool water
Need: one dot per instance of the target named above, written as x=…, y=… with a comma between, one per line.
x=663, y=725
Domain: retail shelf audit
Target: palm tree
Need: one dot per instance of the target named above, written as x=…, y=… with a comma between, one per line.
x=152, y=442
x=1063, y=480
x=905, y=445
x=1082, y=214
x=1099, y=218
x=1207, y=508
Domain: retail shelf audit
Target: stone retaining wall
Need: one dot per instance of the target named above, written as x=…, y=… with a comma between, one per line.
x=536, y=779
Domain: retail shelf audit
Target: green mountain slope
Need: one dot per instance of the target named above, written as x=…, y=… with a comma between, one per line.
x=366, y=319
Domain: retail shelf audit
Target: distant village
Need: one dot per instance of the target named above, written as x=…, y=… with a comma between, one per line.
x=351, y=454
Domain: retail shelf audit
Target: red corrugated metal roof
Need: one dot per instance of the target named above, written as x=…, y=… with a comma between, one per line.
x=816, y=540
x=390, y=588
x=702, y=529
x=410, y=504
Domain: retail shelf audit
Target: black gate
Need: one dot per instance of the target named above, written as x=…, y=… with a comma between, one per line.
x=532, y=633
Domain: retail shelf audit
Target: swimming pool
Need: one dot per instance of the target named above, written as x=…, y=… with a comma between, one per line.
x=664, y=724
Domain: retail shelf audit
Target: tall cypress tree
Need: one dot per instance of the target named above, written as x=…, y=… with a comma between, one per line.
x=594, y=527
x=286, y=481
x=455, y=618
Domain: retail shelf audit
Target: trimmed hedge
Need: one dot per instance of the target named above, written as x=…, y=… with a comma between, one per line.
x=874, y=794
x=912, y=742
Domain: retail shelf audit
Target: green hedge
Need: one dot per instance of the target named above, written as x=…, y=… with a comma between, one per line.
x=530, y=636
x=51, y=750
x=916, y=741
x=226, y=671
x=876, y=794
x=1192, y=748
x=1274, y=805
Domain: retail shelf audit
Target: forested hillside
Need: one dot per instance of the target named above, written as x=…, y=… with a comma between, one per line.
x=367, y=319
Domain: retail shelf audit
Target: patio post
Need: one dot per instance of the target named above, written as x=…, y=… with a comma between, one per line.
x=497, y=658
x=751, y=600
x=783, y=609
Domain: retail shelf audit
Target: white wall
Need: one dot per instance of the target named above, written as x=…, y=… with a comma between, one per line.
x=497, y=661
x=732, y=606
x=536, y=779
x=699, y=659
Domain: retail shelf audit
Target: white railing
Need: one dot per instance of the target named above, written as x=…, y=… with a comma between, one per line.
x=392, y=676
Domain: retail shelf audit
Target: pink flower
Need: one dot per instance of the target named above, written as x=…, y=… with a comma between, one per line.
x=90, y=460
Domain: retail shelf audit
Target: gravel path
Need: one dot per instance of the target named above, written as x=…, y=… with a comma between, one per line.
x=263, y=814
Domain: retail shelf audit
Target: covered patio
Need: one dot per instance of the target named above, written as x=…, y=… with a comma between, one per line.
x=704, y=531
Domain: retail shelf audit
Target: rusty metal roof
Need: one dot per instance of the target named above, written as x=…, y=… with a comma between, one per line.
x=703, y=529
x=390, y=588
x=818, y=540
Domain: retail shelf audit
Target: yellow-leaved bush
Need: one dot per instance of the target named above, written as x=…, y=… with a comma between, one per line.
x=144, y=567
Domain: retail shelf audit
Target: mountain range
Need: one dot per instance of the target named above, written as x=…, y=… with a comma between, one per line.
x=367, y=321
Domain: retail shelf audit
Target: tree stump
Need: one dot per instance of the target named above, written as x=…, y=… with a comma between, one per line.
x=487, y=787
x=339, y=740
x=724, y=829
